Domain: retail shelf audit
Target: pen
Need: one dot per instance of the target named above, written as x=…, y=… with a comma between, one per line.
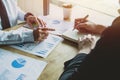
x=82, y=20
x=48, y=29
x=51, y=29
x=85, y=17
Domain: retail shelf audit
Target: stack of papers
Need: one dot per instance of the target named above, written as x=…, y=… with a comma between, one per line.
x=42, y=49
x=18, y=67
x=72, y=35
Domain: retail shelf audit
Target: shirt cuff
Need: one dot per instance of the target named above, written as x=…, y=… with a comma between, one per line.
x=28, y=36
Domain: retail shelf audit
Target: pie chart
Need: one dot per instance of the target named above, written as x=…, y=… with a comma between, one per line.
x=18, y=63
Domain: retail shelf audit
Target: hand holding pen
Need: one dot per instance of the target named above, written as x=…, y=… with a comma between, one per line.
x=41, y=33
x=78, y=21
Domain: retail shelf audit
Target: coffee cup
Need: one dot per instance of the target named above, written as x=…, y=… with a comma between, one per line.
x=67, y=9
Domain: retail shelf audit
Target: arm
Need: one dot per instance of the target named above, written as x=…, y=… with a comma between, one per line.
x=14, y=36
x=85, y=26
x=91, y=28
x=30, y=19
x=23, y=35
x=21, y=14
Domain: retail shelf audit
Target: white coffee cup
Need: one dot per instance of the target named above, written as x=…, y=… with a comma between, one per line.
x=67, y=9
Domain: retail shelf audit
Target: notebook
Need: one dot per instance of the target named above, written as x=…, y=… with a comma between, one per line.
x=72, y=35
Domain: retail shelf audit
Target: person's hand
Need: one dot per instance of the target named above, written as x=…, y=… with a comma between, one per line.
x=89, y=27
x=35, y=22
x=86, y=27
x=86, y=43
x=79, y=21
x=41, y=33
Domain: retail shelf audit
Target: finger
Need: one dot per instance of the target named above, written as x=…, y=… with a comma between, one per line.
x=83, y=31
x=29, y=22
x=44, y=23
x=46, y=35
x=42, y=36
x=39, y=20
x=30, y=25
x=42, y=32
x=82, y=28
x=82, y=25
x=79, y=23
x=40, y=39
x=36, y=21
x=41, y=23
x=82, y=20
x=33, y=22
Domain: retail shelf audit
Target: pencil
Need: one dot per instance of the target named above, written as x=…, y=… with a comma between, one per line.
x=48, y=29
x=85, y=17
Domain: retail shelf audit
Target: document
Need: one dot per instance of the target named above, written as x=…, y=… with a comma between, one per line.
x=83, y=40
x=14, y=66
x=42, y=49
x=72, y=35
x=60, y=25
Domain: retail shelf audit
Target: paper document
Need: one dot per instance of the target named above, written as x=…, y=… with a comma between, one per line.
x=72, y=35
x=59, y=25
x=14, y=66
x=42, y=49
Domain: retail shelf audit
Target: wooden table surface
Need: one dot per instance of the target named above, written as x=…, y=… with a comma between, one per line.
x=64, y=51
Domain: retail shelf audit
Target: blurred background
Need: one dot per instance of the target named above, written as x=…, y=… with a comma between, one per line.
x=109, y=7
x=42, y=7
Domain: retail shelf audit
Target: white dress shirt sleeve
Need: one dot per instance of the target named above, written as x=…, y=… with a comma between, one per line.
x=21, y=14
x=15, y=36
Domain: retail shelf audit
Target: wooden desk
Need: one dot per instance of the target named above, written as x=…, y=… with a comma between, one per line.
x=55, y=59
x=77, y=12
x=65, y=50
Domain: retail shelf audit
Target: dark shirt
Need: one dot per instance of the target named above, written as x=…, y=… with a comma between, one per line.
x=103, y=62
